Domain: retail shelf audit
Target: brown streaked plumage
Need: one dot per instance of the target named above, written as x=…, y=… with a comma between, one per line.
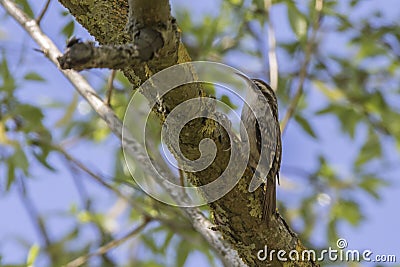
x=271, y=143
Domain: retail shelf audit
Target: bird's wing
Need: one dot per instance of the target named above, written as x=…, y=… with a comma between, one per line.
x=267, y=136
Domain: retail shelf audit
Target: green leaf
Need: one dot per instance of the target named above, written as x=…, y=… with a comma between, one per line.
x=308, y=216
x=103, y=131
x=3, y=134
x=305, y=125
x=348, y=210
x=26, y=7
x=333, y=94
x=20, y=160
x=236, y=2
x=42, y=158
x=398, y=142
x=150, y=243
x=375, y=103
x=33, y=76
x=368, y=49
x=332, y=231
x=370, y=150
x=32, y=255
x=297, y=20
x=68, y=29
x=353, y=3
x=8, y=80
x=347, y=115
x=10, y=173
x=290, y=48
x=32, y=116
x=167, y=241
x=371, y=185
x=182, y=253
x=326, y=171
x=226, y=100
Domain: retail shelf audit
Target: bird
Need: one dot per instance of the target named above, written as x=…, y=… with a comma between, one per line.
x=265, y=136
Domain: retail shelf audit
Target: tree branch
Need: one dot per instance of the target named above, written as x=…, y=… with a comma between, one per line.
x=43, y=12
x=107, y=247
x=110, y=87
x=94, y=176
x=80, y=56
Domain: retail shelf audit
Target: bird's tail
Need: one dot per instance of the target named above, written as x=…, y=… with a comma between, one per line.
x=269, y=201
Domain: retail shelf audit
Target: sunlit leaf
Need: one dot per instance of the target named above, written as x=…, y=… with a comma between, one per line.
x=333, y=94
x=32, y=255
x=3, y=135
x=236, y=2
x=101, y=132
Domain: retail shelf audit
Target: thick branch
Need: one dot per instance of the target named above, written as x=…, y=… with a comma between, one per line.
x=80, y=56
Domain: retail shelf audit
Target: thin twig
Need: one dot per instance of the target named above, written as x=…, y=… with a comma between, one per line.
x=303, y=70
x=93, y=175
x=107, y=247
x=272, y=57
x=43, y=12
x=110, y=87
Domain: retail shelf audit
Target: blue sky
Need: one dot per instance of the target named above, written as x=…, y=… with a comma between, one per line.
x=55, y=192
